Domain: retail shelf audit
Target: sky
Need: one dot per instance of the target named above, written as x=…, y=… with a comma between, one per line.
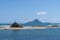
x=27, y=10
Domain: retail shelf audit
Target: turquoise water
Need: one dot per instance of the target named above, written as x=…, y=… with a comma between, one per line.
x=37, y=34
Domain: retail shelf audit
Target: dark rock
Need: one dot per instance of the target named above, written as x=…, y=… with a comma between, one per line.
x=55, y=25
x=15, y=24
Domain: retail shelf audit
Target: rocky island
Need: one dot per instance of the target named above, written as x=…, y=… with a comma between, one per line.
x=16, y=25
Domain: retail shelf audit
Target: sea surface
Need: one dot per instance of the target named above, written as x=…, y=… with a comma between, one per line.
x=32, y=34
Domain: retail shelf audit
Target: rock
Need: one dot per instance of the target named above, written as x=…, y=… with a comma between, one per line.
x=15, y=24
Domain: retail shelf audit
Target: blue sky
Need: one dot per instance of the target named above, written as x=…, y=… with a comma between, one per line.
x=27, y=10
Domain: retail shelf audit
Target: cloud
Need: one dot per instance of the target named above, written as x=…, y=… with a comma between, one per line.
x=41, y=13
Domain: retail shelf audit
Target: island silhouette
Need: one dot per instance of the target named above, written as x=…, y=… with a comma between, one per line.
x=15, y=24
x=36, y=22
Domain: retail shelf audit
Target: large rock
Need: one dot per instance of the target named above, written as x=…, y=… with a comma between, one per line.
x=15, y=24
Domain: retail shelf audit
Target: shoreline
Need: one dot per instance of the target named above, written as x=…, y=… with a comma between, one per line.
x=24, y=28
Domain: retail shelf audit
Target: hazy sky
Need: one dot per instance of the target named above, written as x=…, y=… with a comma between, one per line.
x=27, y=10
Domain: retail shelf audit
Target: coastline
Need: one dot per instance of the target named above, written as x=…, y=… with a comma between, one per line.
x=24, y=28
x=9, y=28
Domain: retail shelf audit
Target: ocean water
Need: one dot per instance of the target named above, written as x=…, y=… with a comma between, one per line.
x=32, y=34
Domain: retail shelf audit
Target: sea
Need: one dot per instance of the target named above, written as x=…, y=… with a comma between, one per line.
x=31, y=34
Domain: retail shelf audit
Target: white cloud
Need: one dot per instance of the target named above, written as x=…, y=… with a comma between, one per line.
x=41, y=12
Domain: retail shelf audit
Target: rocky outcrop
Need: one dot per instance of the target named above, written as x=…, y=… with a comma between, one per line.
x=15, y=24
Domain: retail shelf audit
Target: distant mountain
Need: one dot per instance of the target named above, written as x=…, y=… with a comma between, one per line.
x=35, y=22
